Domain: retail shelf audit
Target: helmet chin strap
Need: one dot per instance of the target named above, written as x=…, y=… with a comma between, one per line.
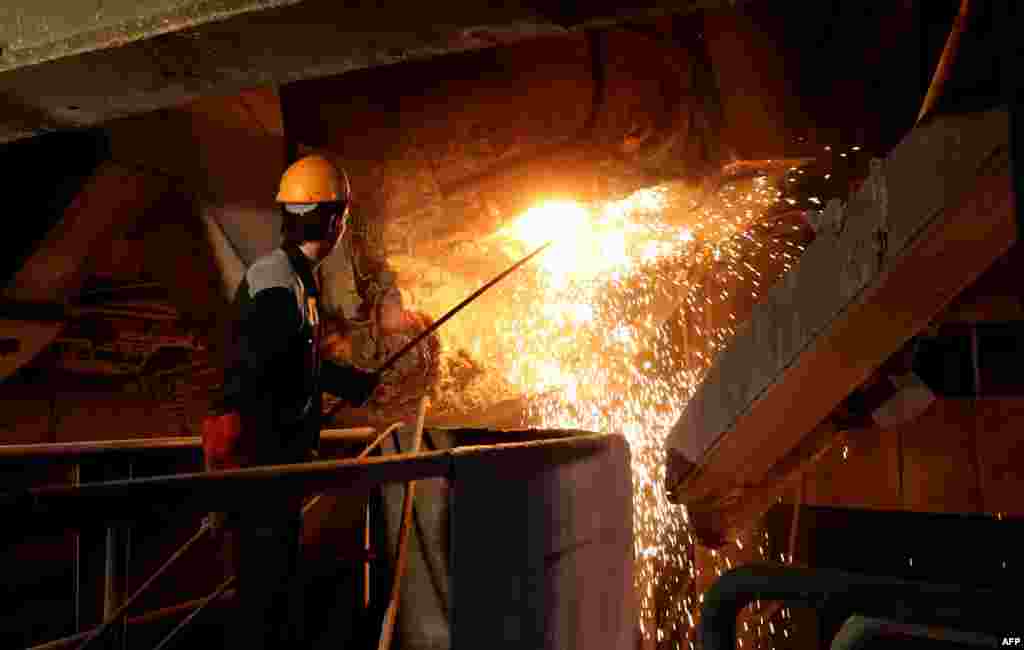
x=334, y=244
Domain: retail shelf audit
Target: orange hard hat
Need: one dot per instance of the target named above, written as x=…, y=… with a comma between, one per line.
x=313, y=179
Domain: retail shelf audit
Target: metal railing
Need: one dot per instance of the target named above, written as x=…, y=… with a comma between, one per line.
x=117, y=541
x=64, y=451
x=118, y=502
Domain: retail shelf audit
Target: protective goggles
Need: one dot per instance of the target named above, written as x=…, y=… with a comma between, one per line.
x=318, y=210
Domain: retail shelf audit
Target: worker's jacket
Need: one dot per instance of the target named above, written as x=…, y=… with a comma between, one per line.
x=274, y=375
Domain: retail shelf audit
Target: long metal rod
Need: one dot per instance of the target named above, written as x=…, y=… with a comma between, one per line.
x=61, y=507
x=402, y=551
x=195, y=612
x=393, y=359
x=61, y=450
x=146, y=617
x=457, y=308
x=125, y=556
x=76, y=568
x=115, y=569
x=113, y=581
x=379, y=439
x=367, y=528
x=974, y=453
x=109, y=621
x=794, y=525
x=366, y=562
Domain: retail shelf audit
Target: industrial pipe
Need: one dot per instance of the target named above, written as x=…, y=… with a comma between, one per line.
x=882, y=596
x=858, y=631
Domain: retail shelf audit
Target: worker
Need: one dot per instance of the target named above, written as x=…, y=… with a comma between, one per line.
x=269, y=410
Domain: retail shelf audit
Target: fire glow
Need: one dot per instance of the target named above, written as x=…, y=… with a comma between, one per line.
x=612, y=328
x=595, y=327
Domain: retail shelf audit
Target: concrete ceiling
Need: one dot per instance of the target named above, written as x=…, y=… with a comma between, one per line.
x=66, y=64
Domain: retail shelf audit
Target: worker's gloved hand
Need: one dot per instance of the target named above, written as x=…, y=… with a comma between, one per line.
x=222, y=446
x=348, y=383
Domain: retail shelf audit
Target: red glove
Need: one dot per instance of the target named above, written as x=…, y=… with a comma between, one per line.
x=222, y=441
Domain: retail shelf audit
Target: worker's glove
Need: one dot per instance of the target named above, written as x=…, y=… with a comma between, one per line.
x=221, y=437
x=352, y=385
